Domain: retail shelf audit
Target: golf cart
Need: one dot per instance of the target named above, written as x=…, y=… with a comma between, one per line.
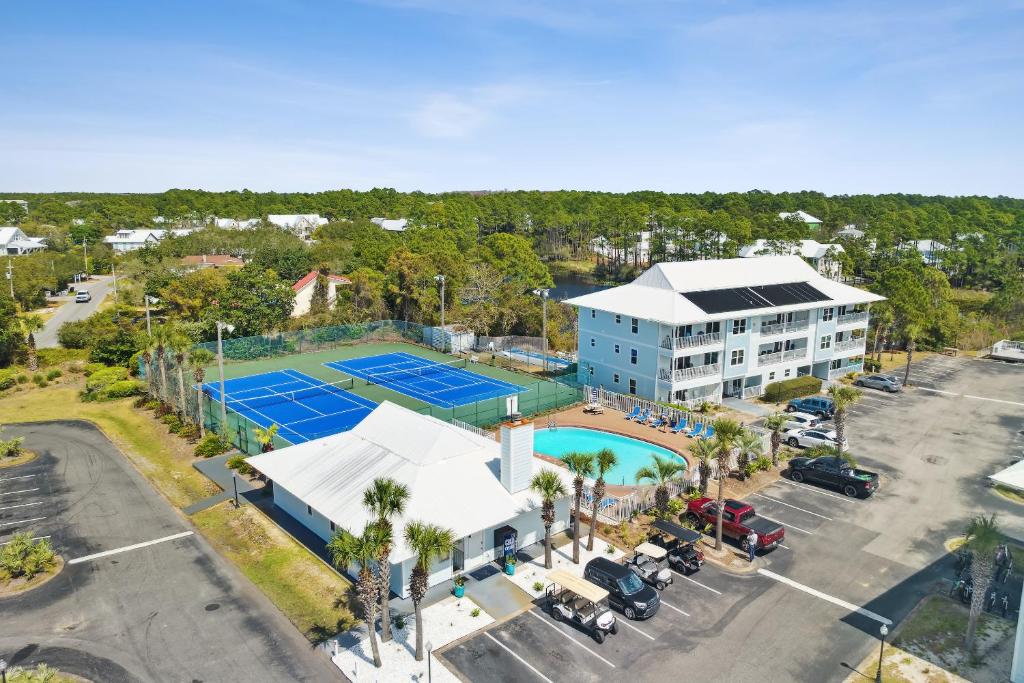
x=584, y=604
x=648, y=563
x=679, y=542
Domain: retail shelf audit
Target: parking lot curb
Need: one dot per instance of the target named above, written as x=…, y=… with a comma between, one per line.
x=484, y=629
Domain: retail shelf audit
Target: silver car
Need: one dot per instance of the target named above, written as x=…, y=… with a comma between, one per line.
x=886, y=383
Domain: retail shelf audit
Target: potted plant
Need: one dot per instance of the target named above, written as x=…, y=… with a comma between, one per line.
x=460, y=586
x=510, y=564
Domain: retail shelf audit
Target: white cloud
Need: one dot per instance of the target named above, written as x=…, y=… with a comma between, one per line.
x=449, y=116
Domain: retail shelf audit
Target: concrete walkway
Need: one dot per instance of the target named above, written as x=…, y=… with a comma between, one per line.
x=749, y=407
x=216, y=470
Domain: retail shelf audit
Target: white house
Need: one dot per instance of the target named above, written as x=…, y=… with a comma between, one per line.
x=930, y=250
x=822, y=257
x=130, y=240
x=812, y=222
x=698, y=330
x=304, y=291
x=13, y=241
x=469, y=483
x=236, y=223
x=302, y=224
x=392, y=224
x=851, y=231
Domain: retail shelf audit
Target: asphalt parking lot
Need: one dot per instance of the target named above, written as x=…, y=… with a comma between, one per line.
x=847, y=566
x=141, y=597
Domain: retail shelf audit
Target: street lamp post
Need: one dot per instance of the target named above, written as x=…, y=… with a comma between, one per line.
x=440, y=278
x=430, y=648
x=543, y=294
x=113, y=274
x=148, y=300
x=85, y=255
x=220, y=366
x=884, y=631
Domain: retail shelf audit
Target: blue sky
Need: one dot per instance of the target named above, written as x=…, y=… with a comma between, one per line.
x=289, y=95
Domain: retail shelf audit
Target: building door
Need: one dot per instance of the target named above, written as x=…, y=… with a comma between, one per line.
x=459, y=556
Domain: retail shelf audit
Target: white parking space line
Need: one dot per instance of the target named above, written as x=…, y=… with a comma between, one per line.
x=825, y=596
x=570, y=638
x=685, y=614
x=22, y=521
x=684, y=576
x=788, y=526
x=11, y=493
x=775, y=500
x=24, y=476
x=994, y=400
x=126, y=548
x=937, y=391
x=523, y=661
x=628, y=625
x=22, y=505
x=36, y=538
x=785, y=546
x=814, y=490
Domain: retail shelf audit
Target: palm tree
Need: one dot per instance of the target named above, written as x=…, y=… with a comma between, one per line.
x=385, y=499
x=30, y=324
x=983, y=536
x=430, y=542
x=727, y=433
x=911, y=333
x=548, y=484
x=582, y=466
x=604, y=460
x=265, y=437
x=827, y=451
x=842, y=397
x=346, y=550
x=750, y=445
x=161, y=341
x=661, y=472
x=703, y=451
x=147, y=358
x=199, y=359
x=179, y=344
x=775, y=424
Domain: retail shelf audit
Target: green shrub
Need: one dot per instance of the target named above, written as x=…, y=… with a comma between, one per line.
x=11, y=448
x=189, y=432
x=872, y=365
x=92, y=367
x=124, y=388
x=53, y=374
x=173, y=422
x=238, y=462
x=75, y=334
x=538, y=585
x=7, y=379
x=787, y=389
x=475, y=612
x=22, y=557
x=59, y=356
x=22, y=378
x=152, y=404
x=38, y=379
x=211, y=445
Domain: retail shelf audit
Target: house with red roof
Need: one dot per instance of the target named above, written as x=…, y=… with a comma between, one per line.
x=305, y=287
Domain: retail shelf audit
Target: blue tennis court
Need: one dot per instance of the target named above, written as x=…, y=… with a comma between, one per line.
x=442, y=384
x=303, y=407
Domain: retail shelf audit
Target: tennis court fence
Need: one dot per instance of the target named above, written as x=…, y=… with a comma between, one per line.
x=520, y=352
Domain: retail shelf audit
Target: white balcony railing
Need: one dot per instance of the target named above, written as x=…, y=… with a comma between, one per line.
x=848, y=344
x=851, y=318
x=842, y=372
x=780, y=356
x=692, y=341
x=771, y=329
x=686, y=374
x=794, y=354
x=753, y=392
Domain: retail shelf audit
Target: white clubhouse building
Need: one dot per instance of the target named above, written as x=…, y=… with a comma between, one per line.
x=700, y=330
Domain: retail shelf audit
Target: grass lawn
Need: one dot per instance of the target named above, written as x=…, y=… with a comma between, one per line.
x=164, y=459
x=311, y=595
x=586, y=267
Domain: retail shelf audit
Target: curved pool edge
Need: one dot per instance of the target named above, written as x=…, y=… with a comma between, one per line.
x=555, y=459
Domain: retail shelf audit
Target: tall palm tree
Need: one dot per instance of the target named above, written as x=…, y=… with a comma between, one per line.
x=604, y=460
x=749, y=444
x=180, y=344
x=199, y=359
x=775, y=424
x=30, y=324
x=265, y=437
x=147, y=359
x=582, y=466
x=843, y=397
x=385, y=500
x=911, y=332
x=661, y=472
x=346, y=550
x=983, y=536
x=727, y=433
x=703, y=451
x=549, y=486
x=430, y=542
x=161, y=342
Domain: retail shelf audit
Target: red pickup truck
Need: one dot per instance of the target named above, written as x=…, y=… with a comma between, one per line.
x=737, y=522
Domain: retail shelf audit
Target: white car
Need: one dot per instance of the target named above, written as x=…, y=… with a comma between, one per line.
x=801, y=421
x=83, y=296
x=809, y=438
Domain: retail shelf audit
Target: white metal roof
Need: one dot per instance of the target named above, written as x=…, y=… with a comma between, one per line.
x=805, y=248
x=802, y=215
x=392, y=224
x=1012, y=476
x=452, y=473
x=134, y=236
x=291, y=220
x=655, y=294
x=9, y=233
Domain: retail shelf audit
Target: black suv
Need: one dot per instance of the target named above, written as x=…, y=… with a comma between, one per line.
x=626, y=592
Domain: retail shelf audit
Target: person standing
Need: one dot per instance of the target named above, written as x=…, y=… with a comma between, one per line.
x=752, y=544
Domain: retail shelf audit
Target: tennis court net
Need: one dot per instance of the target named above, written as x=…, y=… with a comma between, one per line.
x=276, y=397
x=391, y=376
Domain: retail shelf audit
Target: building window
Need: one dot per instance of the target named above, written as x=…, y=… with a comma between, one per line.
x=618, y=319
x=771, y=376
x=826, y=341
x=309, y=510
x=332, y=527
x=593, y=343
x=826, y=314
x=836, y=364
x=634, y=325
x=632, y=356
x=787, y=373
x=739, y=326
x=737, y=357
x=615, y=378
x=632, y=386
x=616, y=348
x=591, y=369
x=593, y=312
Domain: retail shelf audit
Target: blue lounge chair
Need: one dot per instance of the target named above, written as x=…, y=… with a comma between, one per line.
x=636, y=411
x=644, y=416
x=658, y=422
x=680, y=426
x=709, y=432
x=697, y=429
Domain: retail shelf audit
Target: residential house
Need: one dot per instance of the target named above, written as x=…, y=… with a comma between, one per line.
x=851, y=232
x=302, y=224
x=458, y=479
x=304, y=291
x=812, y=222
x=931, y=251
x=392, y=224
x=822, y=257
x=236, y=223
x=699, y=330
x=14, y=241
x=130, y=240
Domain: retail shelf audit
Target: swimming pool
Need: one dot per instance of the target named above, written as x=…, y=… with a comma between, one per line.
x=632, y=453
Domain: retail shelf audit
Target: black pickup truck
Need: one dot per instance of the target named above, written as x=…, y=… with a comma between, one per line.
x=835, y=472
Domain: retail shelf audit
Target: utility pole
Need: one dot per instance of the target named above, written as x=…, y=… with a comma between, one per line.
x=444, y=334
x=10, y=276
x=117, y=300
x=85, y=250
x=220, y=366
x=543, y=294
x=149, y=300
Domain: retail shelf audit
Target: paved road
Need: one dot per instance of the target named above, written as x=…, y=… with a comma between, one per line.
x=171, y=611
x=98, y=287
x=846, y=565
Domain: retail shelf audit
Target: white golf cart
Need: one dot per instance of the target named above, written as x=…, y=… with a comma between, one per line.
x=648, y=564
x=573, y=599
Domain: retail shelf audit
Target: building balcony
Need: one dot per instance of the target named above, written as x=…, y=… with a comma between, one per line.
x=695, y=372
x=692, y=342
x=781, y=356
x=753, y=392
x=773, y=329
x=855, y=344
x=855, y=318
x=842, y=372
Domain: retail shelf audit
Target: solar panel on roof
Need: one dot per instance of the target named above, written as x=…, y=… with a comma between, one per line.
x=747, y=298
